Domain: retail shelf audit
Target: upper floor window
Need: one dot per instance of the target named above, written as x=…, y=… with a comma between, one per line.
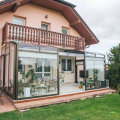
x=18, y=21
x=65, y=30
x=45, y=26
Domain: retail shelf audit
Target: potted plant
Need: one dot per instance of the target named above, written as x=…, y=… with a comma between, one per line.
x=90, y=78
x=61, y=79
x=95, y=71
x=31, y=75
x=97, y=84
x=90, y=81
x=82, y=85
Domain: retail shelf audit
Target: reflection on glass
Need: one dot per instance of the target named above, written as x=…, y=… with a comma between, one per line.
x=95, y=70
x=36, y=77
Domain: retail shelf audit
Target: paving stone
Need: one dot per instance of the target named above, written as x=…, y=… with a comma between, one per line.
x=63, y=99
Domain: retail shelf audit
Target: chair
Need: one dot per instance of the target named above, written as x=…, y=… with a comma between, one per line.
x=52, y=84
x=1, y=101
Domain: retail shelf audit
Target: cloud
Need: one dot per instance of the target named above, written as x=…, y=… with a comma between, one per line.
x=103, y=18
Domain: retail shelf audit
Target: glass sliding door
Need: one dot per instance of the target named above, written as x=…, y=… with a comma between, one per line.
x=95, y=72
x=37, y=75
x=8, y=68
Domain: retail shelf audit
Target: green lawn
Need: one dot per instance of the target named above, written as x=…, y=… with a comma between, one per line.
x=104, y=108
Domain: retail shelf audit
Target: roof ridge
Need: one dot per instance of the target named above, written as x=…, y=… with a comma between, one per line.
x=60, y=1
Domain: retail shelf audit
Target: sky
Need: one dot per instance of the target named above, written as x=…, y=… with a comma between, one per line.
x=103, y=18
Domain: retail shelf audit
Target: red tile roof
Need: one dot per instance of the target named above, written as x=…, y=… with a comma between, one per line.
x=66, y=8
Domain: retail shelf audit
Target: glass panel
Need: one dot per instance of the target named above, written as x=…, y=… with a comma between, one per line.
x=28, y=47
x=47, y=74
x=65, y=38
x=39, y=65
x=95, y=73
x=12, y=69
x=3, y=50
x=69, y=65
x=1, y=71
x=9, y=68
x=44, y=26
x=6, y=72
x=63, y=64
x=47, y=66
x=37, y=77
x=48, y=49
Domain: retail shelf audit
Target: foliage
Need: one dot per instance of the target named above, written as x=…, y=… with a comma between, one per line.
x=95, y=71
x=103, y=108
x=82, y=83
x=118, y=87
x=119, y=91
x=113, y=73
x=31, y=74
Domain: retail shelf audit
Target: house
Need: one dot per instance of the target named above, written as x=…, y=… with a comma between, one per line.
x=43, y=50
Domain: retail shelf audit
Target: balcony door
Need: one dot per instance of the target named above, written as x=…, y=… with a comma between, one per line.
x=65, y=31
x=18, y=30
x=18, y=21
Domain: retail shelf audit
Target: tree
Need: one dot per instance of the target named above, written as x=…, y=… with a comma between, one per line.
x=113, y=73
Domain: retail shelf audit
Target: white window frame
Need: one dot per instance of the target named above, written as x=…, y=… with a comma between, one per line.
x=43, y=72
x=66, y=29
x=19, y=19
x=18, y=24
x=65, y=38
x=45, y=24
x=66, y=62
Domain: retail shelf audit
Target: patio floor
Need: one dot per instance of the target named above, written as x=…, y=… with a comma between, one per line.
x=68, y=88
x=7, y=105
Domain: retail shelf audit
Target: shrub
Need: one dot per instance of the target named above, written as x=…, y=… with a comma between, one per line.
x=113, y=73
x=118, y=88
x=119, y=91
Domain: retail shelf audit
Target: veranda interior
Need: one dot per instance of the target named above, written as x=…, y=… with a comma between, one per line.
x=39, y=63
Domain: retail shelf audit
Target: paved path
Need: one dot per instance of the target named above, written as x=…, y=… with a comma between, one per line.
x=7, y=105
x=25, y=104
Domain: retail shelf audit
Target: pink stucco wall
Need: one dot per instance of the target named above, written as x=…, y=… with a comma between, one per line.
x=34, y=16
x=79, y=68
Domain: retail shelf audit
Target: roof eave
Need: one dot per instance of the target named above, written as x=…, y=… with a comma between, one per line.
x=66, y=3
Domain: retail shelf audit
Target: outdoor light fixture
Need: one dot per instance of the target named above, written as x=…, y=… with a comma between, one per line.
x=46, y=16
x=87, y=46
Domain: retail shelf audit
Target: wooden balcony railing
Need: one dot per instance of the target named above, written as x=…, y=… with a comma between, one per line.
x=29, y=35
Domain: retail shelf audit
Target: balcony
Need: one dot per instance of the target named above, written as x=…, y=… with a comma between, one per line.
x=29, y=35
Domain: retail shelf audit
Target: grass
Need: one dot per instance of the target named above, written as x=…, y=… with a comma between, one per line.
x=104, y=108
